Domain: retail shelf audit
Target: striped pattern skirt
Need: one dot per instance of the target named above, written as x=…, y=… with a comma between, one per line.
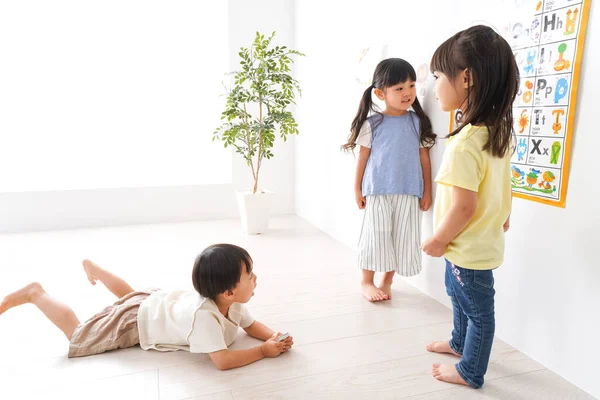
x=390, y=239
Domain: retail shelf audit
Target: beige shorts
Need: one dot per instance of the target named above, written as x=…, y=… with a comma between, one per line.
x=115, y=327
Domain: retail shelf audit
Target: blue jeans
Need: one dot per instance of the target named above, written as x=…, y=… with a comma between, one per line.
x=472, y=294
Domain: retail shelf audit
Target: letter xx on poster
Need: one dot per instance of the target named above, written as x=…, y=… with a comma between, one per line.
x=547, y=38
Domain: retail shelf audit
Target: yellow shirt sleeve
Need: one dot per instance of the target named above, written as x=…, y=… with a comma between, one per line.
x=461, y=167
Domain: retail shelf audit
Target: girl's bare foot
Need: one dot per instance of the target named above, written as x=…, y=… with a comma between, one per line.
x=373, y=293
x=447, y=373
x=442, y=347
x=387, y=289
x=386, y=283
x=89, y=268
x=24, y=295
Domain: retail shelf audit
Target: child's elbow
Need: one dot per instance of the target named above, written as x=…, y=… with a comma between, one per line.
x=468, y=210
x=222, y=365
x=221, y=360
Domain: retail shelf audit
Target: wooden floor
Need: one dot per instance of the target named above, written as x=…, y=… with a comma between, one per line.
x=346, y=348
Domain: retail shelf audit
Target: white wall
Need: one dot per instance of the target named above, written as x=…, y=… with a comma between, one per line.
x=45, y=210
x=549, y=287
x=245, y=19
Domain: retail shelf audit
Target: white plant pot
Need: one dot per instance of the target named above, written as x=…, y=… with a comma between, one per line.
x=255, y=210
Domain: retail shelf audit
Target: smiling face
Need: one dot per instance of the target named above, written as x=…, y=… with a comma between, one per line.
x=398, y=98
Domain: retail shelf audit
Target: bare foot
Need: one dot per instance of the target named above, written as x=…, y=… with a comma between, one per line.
x=372, y=292
x=21, y=296
x=442, y=347
x=387, y=289
x=447, y=373
x=89, y=268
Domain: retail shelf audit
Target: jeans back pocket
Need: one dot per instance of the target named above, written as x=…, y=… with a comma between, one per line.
x=484, y=279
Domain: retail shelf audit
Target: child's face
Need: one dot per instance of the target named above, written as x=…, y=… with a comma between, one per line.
x=451, y=95
x=244, y=290
x=399, y=97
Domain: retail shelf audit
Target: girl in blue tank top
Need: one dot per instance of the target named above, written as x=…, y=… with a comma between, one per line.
x=393, y=176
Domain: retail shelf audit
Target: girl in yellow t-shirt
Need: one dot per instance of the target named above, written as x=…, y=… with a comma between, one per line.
x=476, y=72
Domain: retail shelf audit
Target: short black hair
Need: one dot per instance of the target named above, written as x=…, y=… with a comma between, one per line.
x=219, y=268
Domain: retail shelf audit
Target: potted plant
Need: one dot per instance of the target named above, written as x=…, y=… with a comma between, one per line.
x=256, y=109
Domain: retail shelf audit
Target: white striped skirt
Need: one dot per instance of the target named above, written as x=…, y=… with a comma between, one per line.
x=390, y=239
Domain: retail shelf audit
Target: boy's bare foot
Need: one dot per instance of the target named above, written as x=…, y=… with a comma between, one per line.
x=441, y=347
x=21, y=296
x=89, y=268
x=447, y=373
x=387, y=289
x=372, y=292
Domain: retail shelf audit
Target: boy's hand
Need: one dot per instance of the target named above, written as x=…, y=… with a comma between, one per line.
x=507, y=224
x=361, y=201
x=425, y=202
x=288, y=343
x=272, y=349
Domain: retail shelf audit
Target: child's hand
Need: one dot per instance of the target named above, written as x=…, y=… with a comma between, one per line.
x=432, y=247
x=361, y=201
x=425, y=202
x=271, y=348
x=289, y=342
x=507, y=225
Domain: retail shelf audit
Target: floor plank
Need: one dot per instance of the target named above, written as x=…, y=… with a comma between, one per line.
x=345, y=347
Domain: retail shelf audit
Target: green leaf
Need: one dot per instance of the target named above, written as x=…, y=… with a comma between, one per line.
x=264, y=81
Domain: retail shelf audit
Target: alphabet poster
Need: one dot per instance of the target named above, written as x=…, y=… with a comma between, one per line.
x=547, y=38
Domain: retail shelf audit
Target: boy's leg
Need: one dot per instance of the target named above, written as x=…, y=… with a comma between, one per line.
x=474, y=291
x=368, y=288
x=112, y=282
x=386, y=283
x=60, y=314
x=459, y=332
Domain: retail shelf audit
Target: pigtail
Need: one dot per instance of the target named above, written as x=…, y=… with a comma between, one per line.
x=427, y=137
x=365, y=107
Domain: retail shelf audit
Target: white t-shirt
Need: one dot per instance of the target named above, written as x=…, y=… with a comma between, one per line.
x=184, y=320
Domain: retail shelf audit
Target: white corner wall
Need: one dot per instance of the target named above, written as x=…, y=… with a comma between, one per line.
x=245, y=19
x=548, y=290
x=49, y=210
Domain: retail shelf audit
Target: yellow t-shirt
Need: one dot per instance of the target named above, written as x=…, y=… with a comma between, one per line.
x=480, y=245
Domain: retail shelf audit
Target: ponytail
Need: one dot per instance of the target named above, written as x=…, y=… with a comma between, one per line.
x=366, y=106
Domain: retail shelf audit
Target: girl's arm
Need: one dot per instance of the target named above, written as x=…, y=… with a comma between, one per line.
x=462, y=210
x=258, y=330
x=507, y=223
x=426, y=167
x=363, y=157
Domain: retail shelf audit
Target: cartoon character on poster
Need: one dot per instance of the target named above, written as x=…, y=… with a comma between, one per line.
x=561, y=63
x=556, y=147
x=557, y=126
x=562, y=86
x=521, y=148
x=530, y=66
x=523, y=121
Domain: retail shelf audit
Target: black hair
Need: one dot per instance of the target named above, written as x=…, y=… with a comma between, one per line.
x=219, y=269
x=493, y=78
x=388, y=73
